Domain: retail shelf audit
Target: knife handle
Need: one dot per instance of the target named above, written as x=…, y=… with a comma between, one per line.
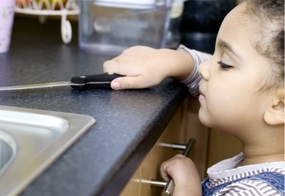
x=93, y=81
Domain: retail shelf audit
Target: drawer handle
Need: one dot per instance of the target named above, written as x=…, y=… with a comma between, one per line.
x=179, y=146
x=169, y=186
x=155, y=183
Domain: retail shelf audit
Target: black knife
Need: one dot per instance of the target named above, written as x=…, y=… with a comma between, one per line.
x=77, y=82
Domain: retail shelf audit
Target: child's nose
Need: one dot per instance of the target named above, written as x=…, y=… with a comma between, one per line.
x=203, y=70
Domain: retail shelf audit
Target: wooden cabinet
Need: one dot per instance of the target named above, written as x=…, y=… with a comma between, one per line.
x=210, y=147
x=222, y=146
x=183, y=126
x=194, y=129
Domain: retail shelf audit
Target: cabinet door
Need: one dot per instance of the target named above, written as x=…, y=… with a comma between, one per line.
x=159, y=154
x=194, y=129
x=139, y=185
x=222, y=146
x=211, y=145
x=184, y=125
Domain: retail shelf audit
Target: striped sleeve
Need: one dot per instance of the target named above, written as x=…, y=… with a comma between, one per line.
x=193, y=80
x=249, y=188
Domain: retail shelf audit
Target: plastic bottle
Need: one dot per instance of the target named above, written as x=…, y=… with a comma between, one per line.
x=173, y=34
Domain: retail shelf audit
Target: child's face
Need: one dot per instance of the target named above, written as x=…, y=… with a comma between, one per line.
x=231, y=97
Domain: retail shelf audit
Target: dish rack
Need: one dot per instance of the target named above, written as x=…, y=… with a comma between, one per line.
x=44, y=8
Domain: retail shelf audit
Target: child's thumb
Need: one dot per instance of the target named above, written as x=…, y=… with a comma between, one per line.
x=121, y=83
x=129, y=82
x=115, y=85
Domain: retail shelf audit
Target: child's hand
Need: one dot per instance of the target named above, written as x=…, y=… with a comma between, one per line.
x=184, y=173
x=142, y=66
x=145, y=67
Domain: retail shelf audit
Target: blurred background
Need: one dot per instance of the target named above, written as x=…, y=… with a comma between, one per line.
x=200, y=22
x=195, y=23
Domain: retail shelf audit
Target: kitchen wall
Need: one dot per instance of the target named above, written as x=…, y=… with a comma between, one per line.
x=201, y=20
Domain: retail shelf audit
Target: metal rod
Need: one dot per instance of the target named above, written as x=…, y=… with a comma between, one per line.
x=189, y=146
x=174, y=146
x=155, y=183
x=169, y=188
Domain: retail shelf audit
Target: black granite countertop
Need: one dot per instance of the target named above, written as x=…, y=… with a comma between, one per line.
x=128, y=123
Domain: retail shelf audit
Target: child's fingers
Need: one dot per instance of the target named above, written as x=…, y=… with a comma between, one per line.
x=167, y=167
x=127, y=83
x=164, y=171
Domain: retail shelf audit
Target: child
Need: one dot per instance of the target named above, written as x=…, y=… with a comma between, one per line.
x=241, y=92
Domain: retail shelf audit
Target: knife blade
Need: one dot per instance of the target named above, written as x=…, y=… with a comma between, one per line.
x=77, y=82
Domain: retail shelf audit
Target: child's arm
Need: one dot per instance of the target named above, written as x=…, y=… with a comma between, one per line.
x=146, y=67
x=184, y=174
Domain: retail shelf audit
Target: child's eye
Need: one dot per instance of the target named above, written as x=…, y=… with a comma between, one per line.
x=223, y=65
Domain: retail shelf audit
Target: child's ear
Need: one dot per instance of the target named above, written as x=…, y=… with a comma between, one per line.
x=275, y=114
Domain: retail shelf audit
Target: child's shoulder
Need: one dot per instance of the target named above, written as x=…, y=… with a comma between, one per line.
x=254, y=180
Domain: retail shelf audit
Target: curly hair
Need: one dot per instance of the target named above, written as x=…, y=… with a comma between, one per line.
x=271, y=45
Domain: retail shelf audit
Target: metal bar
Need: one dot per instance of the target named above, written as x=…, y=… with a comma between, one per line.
x=155, y=183
x=169, y=188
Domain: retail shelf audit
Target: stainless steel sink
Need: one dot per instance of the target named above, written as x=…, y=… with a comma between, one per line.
x=7, y=150
x=30, y=140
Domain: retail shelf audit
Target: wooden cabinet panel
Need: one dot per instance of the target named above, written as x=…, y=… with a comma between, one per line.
x=184, y=125
x=149, y=169
x=194, y=129
x=222, y=146
x=159, y=154
x=210, y=147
